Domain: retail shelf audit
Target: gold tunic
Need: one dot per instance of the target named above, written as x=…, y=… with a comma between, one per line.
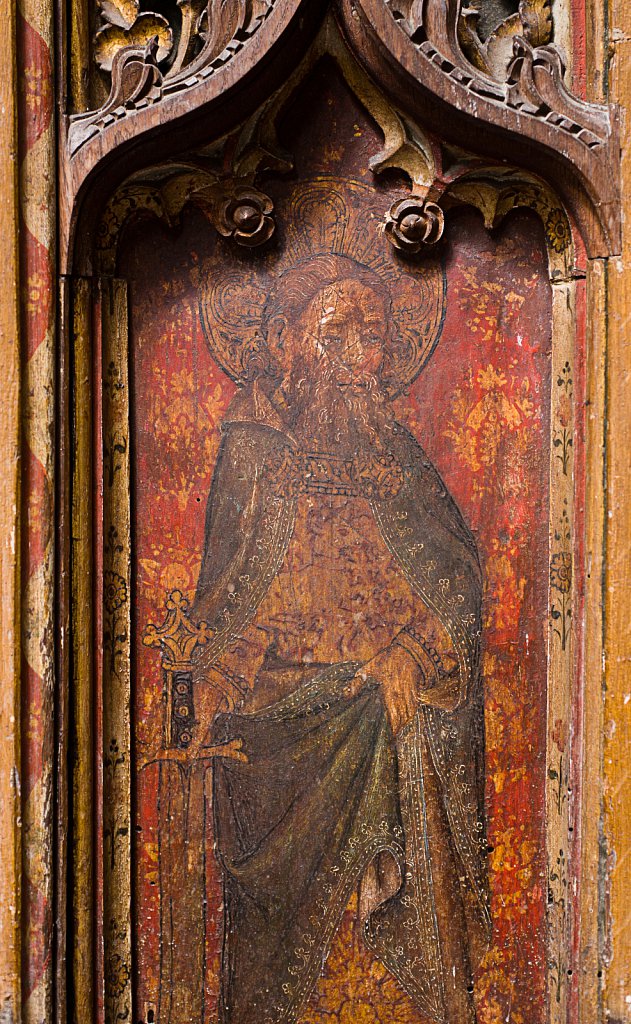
x=339, y=596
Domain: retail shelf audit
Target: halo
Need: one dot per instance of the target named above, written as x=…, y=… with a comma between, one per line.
x=326, y=215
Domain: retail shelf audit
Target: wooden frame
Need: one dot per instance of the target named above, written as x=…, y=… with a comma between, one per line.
x=94, y=311
x=492, y=193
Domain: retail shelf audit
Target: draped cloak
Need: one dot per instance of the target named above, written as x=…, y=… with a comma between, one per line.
x=327, y=792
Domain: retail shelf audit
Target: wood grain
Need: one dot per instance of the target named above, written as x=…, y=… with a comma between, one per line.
x=590, y=751
x=79, y=55
x=605, y=911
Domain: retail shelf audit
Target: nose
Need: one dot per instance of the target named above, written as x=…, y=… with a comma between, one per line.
x=353, y=351
x=359, y=352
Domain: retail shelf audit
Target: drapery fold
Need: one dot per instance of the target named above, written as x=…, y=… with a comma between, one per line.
x=327, y=788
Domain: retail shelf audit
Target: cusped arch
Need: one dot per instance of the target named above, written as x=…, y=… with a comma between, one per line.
x=410, y=52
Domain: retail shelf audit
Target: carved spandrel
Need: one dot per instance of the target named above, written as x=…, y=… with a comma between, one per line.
x=518, y=64
x=172, y=53
x=190, y=32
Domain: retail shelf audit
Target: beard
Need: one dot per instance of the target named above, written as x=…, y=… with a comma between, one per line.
x=342, y=420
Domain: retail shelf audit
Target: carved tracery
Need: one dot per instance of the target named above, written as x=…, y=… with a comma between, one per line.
x=171, y=54
x=552, y=132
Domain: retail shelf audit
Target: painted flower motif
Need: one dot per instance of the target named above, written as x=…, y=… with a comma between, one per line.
x=117, y=976
x=114, y=591
x=558, y=230
x=561, y=572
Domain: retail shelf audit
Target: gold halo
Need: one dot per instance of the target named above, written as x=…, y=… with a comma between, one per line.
x=318, y=217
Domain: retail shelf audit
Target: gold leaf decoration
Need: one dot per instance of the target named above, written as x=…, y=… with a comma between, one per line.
x=191, y=11
x=124, y=25
x=119, y=12
x=536, y=18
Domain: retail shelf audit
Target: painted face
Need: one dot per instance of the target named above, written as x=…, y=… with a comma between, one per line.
x=345, y=326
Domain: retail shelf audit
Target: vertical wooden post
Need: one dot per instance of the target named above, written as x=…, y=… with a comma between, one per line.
x=83, y=875
x=588, y=910
x=10, y=838
x=79, y=56
x=43, y=889
x=617, y=580
x=116, y=661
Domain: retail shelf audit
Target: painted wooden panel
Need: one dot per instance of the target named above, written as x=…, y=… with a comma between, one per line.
x=480, y=408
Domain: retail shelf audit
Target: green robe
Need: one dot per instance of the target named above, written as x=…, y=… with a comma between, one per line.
x=327, y=790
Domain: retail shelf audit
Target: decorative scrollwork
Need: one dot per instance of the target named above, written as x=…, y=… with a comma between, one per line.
x=124, y=26
x=517, y=65
x=167, y=54
x=193, y=33
x=492, y=51
x=535, y=85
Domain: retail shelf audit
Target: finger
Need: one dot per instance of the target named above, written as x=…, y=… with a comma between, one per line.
x=410, y=704
x=234, y=750
x=351, y=687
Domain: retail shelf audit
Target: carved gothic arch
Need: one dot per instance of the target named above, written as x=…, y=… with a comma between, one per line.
x=106, y=107
x=412, y=51
x=447, y=126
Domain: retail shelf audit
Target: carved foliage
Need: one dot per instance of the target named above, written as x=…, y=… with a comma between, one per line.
x=535, y=85
x=492, y=54
x=236, y=208
x=164, y=55
x=195, y=32
x=413, y=225
x=124, y=25
x=517, y=65
x=244, y=214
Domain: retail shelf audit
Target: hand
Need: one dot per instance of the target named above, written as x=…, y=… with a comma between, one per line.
x=401, y=680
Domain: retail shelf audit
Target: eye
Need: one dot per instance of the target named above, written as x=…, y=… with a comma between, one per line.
x=332, y=340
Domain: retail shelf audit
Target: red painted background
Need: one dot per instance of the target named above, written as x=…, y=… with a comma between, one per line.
x=481, y=410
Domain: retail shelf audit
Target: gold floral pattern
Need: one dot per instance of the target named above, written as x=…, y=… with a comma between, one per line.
x=489, y=413
x=480, y=411
x=356, y=988
x=558, y=230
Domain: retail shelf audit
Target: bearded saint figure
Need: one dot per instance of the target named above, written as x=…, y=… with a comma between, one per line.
x=343, y=589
